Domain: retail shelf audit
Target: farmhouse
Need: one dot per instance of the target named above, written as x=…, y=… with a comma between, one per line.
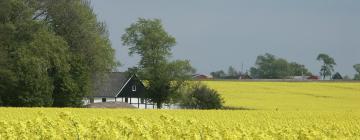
x=119, y=87
x=199, y=77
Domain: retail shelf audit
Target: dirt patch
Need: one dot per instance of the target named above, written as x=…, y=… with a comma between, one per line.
x=237, y=108
x=110, y=105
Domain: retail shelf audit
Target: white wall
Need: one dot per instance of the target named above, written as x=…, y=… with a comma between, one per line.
x=134, y=102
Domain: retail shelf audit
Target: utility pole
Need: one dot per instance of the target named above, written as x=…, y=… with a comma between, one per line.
x=242, y=67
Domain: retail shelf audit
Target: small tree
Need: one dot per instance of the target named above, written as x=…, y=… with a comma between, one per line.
x=218, y=74
x=328, y=65
x=232, y=73
x=202, y=97
x=346, y=77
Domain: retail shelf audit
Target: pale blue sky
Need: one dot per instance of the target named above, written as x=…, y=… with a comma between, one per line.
x=214, y=34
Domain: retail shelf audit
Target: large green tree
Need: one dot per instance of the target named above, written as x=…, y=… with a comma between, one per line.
x=91, y=55
x=327, y=66
x=148, y=39
x=357, y=69
x=50, y=51
x=29, y=51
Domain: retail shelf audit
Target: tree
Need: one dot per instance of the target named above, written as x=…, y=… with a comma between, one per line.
x=148, y=39
x=346, y=77
x=328, y=65
x=31, y=52
x=232, y=73
x=91, y=55
x=218, y=74
x=357, y=69
x=50, y=51
x=269, y=66
x=296, y=69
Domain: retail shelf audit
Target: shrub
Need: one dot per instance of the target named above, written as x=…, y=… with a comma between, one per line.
x=202, y=97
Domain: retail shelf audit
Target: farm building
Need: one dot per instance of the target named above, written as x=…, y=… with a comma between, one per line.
x=199, y=77
x=119, y=87
x=313, y=77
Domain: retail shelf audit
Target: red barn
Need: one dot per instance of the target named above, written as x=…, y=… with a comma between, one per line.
x=313, y=77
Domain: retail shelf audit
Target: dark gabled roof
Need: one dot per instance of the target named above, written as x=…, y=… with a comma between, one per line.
x=111, y=85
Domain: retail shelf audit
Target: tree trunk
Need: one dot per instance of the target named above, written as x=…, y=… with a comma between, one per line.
x=158, y=105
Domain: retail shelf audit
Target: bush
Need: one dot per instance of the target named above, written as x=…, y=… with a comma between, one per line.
x=202, y=97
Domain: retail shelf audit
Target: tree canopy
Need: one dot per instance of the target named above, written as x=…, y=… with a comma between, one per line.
x=148, y=39
x=232, y=73
x=328, y=65
x=50, y=51
x=269, y=66
x=357, y=69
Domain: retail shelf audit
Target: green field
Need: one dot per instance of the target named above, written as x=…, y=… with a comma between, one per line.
x=290, y=96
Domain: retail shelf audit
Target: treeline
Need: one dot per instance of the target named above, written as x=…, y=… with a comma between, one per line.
x=232, y=73
x=266, y=66
x=269, y=66
x=50, y=52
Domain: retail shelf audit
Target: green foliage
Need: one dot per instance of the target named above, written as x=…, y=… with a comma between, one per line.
x=44, y=64
x=328, y=65
x=153, y=44
x=296, y=69
x=357, y=77
x=28, y=50
x=357, y=69
x=218, y=74
x=91, y=53
x=148, y=39
x=202, y=97
x=232, y=73
x=269, y=67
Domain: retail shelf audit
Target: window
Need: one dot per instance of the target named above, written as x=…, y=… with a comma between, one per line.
x=133, y=87
x=103, y=99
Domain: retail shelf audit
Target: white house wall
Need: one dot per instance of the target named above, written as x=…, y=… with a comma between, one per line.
x=134, y=102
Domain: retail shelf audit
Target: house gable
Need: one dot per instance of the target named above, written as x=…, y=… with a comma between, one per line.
x=132, y=88
x=118, y=84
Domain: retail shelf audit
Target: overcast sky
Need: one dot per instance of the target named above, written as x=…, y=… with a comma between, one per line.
x=214, y=34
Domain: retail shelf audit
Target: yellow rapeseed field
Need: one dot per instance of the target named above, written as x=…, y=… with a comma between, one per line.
x=281, y=111
x=55, y=123
x=291, y=96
